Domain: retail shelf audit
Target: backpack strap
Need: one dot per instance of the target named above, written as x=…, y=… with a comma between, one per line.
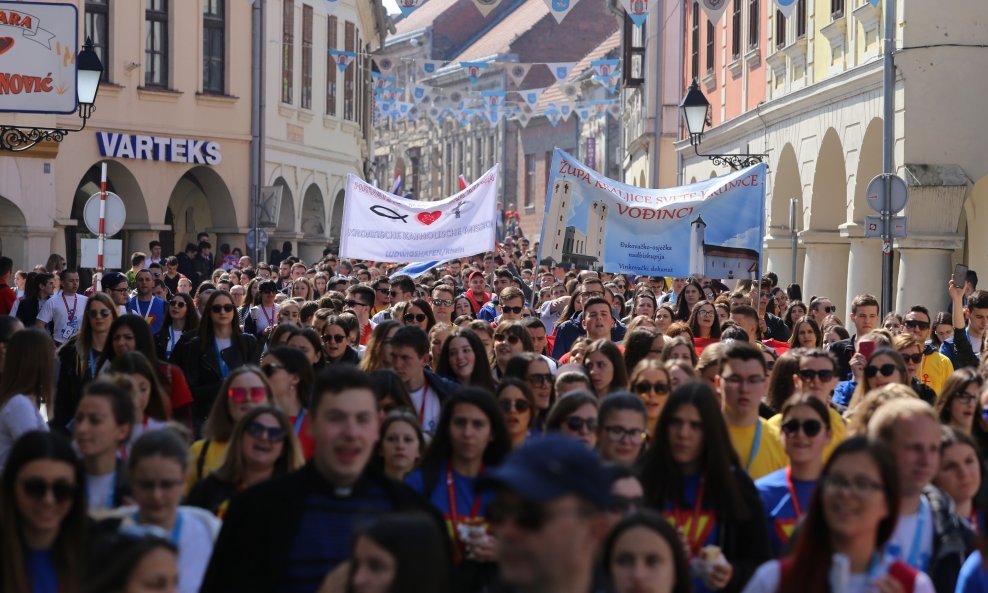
x=201, y=460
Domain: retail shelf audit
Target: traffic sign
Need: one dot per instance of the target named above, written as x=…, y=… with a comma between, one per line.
x=876, y=193
x=116, y=214
x=112, y=256
x=873, y=226
x=261, y=234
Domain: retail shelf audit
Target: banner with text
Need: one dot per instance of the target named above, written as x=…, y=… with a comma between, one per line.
x=711, y=229
x=384, y=227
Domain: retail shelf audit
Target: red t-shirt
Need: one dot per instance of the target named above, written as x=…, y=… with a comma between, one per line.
x=7, y=299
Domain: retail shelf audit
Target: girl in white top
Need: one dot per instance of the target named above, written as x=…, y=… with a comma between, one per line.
x=839, y=546
x=26, y=384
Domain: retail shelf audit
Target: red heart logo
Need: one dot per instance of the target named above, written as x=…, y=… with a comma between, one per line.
x=5, y=44
x=428, y=218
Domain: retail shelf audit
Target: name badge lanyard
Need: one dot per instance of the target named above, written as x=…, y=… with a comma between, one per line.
x=298, y=421
x=917, y=545
x=70, y=313
x=454, y=514
x=792, y=493
x=754, y=447
x=144, y=314
x=425, y=397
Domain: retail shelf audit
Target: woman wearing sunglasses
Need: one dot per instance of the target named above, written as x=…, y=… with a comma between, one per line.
x=518, y=405
x=77, y=358
x=44, y=533
x=291, y=377
x=651, y=382
x=787, y=492
x=418, y=312
x=218, y=348
x=181, y=317
x=25, y=386
x=263, y=316
x=849, y=520
x=886, y=366
x=959, y=404
x=463, y=359
x=692, y=476
x=470, y=437
x=262, y=446
x=533, y=369
x=510, y=338
x=911, y=351
x=157, y=464
x=336, y=347
x=243, y=389
x=575, y=415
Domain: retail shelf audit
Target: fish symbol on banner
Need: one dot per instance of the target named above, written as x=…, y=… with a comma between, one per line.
x=714, y=9
x=637, y=10
x=560, y=8
x=474, y=70
x=560, y=70
x=408, y=6
x=786, y=7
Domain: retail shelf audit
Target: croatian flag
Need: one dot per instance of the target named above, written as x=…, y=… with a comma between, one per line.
x=396, y=186
x=463, y=182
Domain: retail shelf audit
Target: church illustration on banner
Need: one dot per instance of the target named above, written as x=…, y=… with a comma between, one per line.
x=572, y=246
x=717, y=261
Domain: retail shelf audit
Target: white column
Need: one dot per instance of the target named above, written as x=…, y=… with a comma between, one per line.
x=778, y=259
x=924, y=269
x=864, y=263
x=825, y=270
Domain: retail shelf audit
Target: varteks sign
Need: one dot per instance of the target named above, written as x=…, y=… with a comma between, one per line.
x=158, y=148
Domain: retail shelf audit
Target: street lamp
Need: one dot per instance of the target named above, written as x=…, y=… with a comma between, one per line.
x=696, y=115
x=89, y=73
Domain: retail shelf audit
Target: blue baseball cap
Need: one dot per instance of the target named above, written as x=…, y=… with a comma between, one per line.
x=552, y=467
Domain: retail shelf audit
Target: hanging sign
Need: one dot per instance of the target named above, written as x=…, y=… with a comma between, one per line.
x=38, y=45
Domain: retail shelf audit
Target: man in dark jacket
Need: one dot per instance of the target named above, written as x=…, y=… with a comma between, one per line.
x=288, y=533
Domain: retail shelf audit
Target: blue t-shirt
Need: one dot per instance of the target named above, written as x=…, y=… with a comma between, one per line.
x=780, y=513
x=705, y=533
x=972, y=578
x=843, y=393
x=464, y=489
x=153, y=312
x=41, y=571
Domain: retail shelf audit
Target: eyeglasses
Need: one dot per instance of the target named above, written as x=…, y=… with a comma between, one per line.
x=519, y=405
x=121, y=289
x=94, y=313
x=241, y=395
x=227, y=308
x=643, y=387
x=338, y=338
x=622, y=505
x=442, y=302
x=886, y=370
x=576, y=424
x=527, y=515
x=810, y=374
x=270, y=368
x=539, y=378
x=177, y=303
x=966, y=398
x=414, y=317
x=913, y=358
x=617, y=433
x=916, y=324
x=151, y=485
x=593, y=293
x=510, y=338
x=351, y=303
x=858, y=486
x=37, y=488
x=810, y=428
x=271, y=433
x=705, y=313
x=514, y=310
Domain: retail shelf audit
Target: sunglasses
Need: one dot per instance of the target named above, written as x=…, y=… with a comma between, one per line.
x=643, y=387
x=916, y=324
x=810, y=428
x=503, y=337
x=227, y=308
x=514, y=310
x=271, y=433
x=519, y=405
x=94, y=313
x=576, y=424
x=539, y=378
x=810, y=374
x=37, y=488
x=393, y=293
x=352, y=303
x=527, y=515
x=384, y=290
x=913, y=358
x=618, y=434
x=442, y=302
x=886, y=370
x=829, y=309
x=177, y=303
x=327, y=338
x=241, y=395
x=270, y=368
x=414, y=317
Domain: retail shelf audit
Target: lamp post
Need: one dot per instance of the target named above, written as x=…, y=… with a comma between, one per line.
x=89, y=73
x=696, y=114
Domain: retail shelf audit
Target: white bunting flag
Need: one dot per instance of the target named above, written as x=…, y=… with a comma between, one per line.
x=431, y=66
x=342, y=59
x=532, y=96
x=407, y=7
x=560, y=70
x=474, y=70
x=486, y=6
x=604, y=69
x=786, y=7
x=560, y=8
x=493, y=99
x=518, y=72
x=714, y=9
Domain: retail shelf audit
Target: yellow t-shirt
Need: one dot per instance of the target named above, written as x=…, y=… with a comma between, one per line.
x=770, y=455
x=215, y=456
x=838, y=430
x=934, y=371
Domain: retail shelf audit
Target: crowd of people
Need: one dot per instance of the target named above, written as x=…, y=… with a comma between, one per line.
x=211, y=423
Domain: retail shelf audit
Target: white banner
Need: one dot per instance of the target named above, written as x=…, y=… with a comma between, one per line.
x=384, y=227
x=38, y=45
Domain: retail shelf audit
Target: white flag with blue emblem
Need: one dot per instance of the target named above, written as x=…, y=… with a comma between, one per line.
x=560, y=70
x=786, y=7
x=560, y=8
x=431, y=66
x=532, y=96
x=714, y=9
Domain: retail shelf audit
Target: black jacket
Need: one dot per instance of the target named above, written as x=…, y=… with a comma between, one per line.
x=844, y=350
x=202, y=369
x=952, y=540
x=261, y=523
x=777, y=328
x=68, y=386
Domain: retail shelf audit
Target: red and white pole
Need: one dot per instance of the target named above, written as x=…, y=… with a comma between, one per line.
x=102, y=220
